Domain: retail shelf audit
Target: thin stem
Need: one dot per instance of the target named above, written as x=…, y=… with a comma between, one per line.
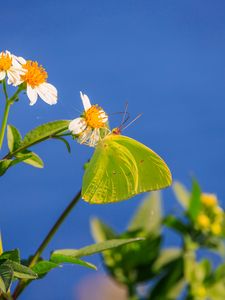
x=8, y=103
x=4, y=122
x=5, y=90
x=24, y=283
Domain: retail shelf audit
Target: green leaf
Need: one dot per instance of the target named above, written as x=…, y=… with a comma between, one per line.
x=172, y=222
x=21, y=271
x=33, y=159
x=101, y=231
x=195, y=201
x=182, y=194
x=4, y=165
x=64, y=141
x=6, y=276
x=170, y=283
x=13, y=255
x=14, y=138
x=166, y=256
x=44, y=132
x=43, y=267
x=60, y=258
x=148, y=216
x=96, y=248
x=220, y=272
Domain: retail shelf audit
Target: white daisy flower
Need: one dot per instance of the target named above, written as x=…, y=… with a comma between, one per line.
x=92, y=125
x=35, y=77
x=10, y=67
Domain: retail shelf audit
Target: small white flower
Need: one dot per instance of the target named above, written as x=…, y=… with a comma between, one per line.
x=35, y=77
x=10, y=67
x=92, y=125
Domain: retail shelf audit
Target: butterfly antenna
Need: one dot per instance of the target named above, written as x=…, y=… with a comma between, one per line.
x=124, y=115
x=135, y=119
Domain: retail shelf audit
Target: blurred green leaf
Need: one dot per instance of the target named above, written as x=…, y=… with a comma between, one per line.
x=172, y=222
x=165, y=257
x=148, y=216
x=133, y=262
x=195, y=201
x=33, y=159
x=60, y=258
x=220, y=272
x=216, y=291
x=170, y=283
x=181, y=193
x=95, y=248
x=6, y=276
x=101, y=231
x=13, y=137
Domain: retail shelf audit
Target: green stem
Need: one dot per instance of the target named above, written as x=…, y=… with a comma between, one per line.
x=8, y=103
x=5, y=90
x=24, y=283
x=4, y=122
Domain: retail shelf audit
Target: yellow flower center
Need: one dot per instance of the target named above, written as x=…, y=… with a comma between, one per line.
x=5, y=61
x=94, y=117
x=203, y=221
x=209, y=200
x=35, y=74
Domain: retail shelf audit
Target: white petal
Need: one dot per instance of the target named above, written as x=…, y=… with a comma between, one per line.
x=85, y=136
x=95, y=137
x=13, y=76
x=21, y=60
x=103, y=117
x=47, y=92
x=77, y=126
x=86, y=101
x=2, y=75
x=32, y=95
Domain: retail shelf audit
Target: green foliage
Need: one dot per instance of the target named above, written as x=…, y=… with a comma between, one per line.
x=33, y=160
x=168, y=270
x=6, y=277
x=43, y=132
x=95, y=248
x=14, y=138
x=148, y=216
x=182, y=194
x=18, y=147
x=11, y=268
x=134, y=263
x=195, y=202
x=67, y=258
x=42, y=267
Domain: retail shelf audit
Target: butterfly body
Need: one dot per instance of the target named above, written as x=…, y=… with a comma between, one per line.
x=121, y=168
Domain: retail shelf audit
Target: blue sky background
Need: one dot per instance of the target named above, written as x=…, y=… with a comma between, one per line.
x=166, y=58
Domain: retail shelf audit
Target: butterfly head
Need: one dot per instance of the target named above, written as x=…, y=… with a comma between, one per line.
x=116, y=131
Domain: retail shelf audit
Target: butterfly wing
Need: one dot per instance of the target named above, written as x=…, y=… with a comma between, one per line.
x=122, y=168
